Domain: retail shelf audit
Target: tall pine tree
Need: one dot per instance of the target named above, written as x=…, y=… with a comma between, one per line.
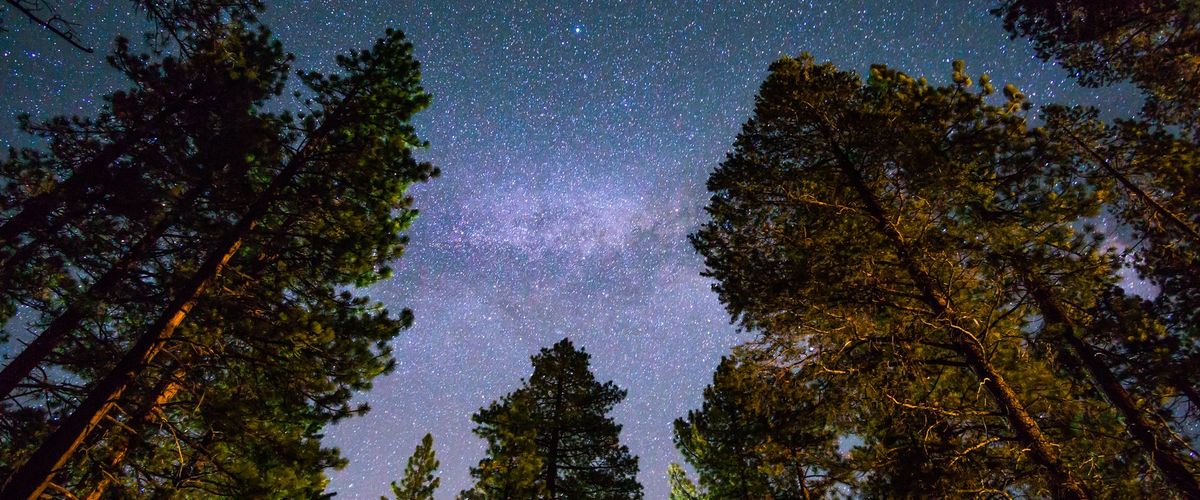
x=248, y=302
x=864, y=226
x=1148, y=167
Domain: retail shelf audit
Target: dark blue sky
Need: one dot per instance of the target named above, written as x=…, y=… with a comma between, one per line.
x=574, y=140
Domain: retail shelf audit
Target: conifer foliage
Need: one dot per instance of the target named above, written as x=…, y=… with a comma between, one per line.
x=1150, y=162
x=760, y=434
x=1150, y=43
x=682, y=488
x=918, y=256
x=553, y=438
x=419, y=481
x=187, y=260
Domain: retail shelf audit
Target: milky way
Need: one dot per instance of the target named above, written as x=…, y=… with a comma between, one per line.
x=574, y=142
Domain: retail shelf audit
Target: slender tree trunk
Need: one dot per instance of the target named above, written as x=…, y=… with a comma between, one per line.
x=82, y=307
x=1155, y=206
x=1139, y=193
x=1189, y=391
x=555, y=436
x=161, y=395
x=1039, y=447
x=1152, y=442
x=32, y=478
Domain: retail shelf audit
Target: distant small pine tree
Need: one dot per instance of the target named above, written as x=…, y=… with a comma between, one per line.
x=553, y=438
x=419, y=481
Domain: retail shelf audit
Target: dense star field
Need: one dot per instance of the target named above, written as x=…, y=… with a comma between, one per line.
x=574, y=142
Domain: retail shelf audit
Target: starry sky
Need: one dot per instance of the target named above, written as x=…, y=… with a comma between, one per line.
x=574, y=140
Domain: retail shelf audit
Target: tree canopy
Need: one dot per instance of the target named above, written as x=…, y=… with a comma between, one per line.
x=914, y=248
x=419, y=481
x=189, y=258
x=553, y=438
x=1151, y=43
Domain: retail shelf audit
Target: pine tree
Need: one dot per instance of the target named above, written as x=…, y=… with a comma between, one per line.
x=239, y=422
x=325, y=212
x=762, y=434
x=200, y=152
x=1147, y=167
x=1027, y=216
x=1151, y=43
x=682, y=488
x=419, y=481
x=514, y=464
x=112, y=241
x=552, y=437
x=857, y=224
x=1150, y=177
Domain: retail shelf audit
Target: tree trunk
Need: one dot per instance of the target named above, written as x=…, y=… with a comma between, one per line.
x=32, y=478
x=1152, y=443
x=555, y=436
x=161, y=395
x=1037, y=445
x=1139, y=193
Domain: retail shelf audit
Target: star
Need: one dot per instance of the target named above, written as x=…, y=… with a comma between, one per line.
x=572, y=175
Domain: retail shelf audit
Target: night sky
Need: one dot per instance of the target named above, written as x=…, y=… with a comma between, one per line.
x=574, y=142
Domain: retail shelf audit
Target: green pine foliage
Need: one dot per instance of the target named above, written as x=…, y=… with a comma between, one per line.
x=205, y=131
x=762, y=434
x=1150, y=43
x=682, y=488
x=914, y=249
x=860, y=227
x=1145, y=169
x=553, y=438
x=182, y=342
x=419, y=481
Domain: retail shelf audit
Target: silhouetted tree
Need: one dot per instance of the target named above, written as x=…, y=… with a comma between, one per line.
x=323, y=211
x=880, y=230
x=552, y=437
x=173, y=19
x=419, y=481
x=1151, y=43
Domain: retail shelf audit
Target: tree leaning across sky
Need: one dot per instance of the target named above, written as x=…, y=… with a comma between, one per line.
x=240, y=296
x=886, y=229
